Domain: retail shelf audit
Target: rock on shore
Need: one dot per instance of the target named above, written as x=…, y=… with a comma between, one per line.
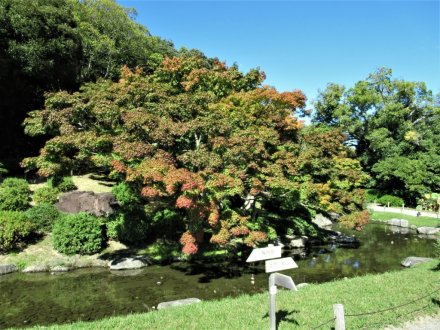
x=129, y=263
x=6, y=269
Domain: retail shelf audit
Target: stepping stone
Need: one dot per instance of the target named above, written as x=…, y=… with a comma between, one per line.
x=129, y=263
x=176, y=303
x=411, y=261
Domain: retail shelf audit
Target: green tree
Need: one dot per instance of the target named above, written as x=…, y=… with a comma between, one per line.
x=393, y=125
x=49, y=45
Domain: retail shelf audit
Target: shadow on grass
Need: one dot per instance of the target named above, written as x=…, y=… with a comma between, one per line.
x=435, y=301
x=283, y=316
x=436, y=268
x=32, y=239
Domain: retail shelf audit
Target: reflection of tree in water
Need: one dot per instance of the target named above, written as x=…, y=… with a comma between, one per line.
x=97, y=293
x=380, y=251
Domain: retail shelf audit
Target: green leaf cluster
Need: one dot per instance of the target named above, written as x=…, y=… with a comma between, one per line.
x=43, y=216
x=394, y=127
x=78, y=234
x=15, y=227
x=14, y=195
x=45, y=195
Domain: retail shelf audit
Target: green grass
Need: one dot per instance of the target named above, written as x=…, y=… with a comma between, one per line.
x=95, y=183
x=88, y=182
x=43, y=253
x=305, y=309
x=417, y=221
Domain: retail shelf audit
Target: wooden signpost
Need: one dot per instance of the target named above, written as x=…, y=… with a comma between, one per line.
x=274, y=263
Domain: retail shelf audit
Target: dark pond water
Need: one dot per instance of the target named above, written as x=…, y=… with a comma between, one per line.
x=88, y=294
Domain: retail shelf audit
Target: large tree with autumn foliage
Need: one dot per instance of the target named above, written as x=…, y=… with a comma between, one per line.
x=202, y=140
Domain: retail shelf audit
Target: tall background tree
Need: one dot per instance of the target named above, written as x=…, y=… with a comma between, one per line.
x=49, y=45
x=394, y=127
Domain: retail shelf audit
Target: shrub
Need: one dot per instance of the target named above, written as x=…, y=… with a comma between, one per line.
x=128, y=227
x=393, y=200
x=125, y=196
x=47, y=195
x=63, y=184
x=14, y=195
x=372, y=195
x=78, y=233
x=43, y=216
x=356, y=220
x=14, y=228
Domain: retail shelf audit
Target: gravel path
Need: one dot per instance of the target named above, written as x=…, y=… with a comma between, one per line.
x=412, y=212
x=425, y=323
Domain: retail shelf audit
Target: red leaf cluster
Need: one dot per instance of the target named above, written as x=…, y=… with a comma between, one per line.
x=188, y=241
x=184, y=202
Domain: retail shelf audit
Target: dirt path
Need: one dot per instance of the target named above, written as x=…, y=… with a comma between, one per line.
x=425, y=323
x=399, y=210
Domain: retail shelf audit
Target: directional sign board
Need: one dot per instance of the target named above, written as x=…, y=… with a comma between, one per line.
x=270, y=252
x=284, y=281
x=280, y=264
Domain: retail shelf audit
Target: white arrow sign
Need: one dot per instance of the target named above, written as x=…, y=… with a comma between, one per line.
x=280, y=264
x=270, y=252
x=282, y=280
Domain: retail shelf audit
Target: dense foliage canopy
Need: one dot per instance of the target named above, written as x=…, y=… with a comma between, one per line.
x=394, y=126
x=59, y=44
x=201, y=139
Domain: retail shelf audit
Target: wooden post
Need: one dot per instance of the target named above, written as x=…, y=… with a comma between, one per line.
x=338, y=312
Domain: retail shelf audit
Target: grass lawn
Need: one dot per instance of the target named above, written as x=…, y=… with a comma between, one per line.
x=87, y=182
x=417, y=221
x=42, y=253
x=306, y=309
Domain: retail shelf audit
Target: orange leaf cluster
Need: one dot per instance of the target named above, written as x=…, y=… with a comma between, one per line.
x=172, y=64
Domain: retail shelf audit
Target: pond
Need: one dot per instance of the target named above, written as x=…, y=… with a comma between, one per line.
x=88, y=294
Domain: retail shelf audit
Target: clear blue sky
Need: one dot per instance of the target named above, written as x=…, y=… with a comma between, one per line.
x=305, y=45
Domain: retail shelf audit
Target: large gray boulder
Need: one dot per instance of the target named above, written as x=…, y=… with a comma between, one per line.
x=98, y=204
x=176, y=303
x=322, y=221
x=398, y=223
x=428, y=230
x=8, y=268
x=411, y=261
x=129, y=263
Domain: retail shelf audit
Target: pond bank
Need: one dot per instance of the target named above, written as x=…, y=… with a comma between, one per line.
x=44, y=298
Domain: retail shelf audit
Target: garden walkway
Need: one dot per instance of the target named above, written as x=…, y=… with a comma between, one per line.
x=425, y=323
x=413, y=212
